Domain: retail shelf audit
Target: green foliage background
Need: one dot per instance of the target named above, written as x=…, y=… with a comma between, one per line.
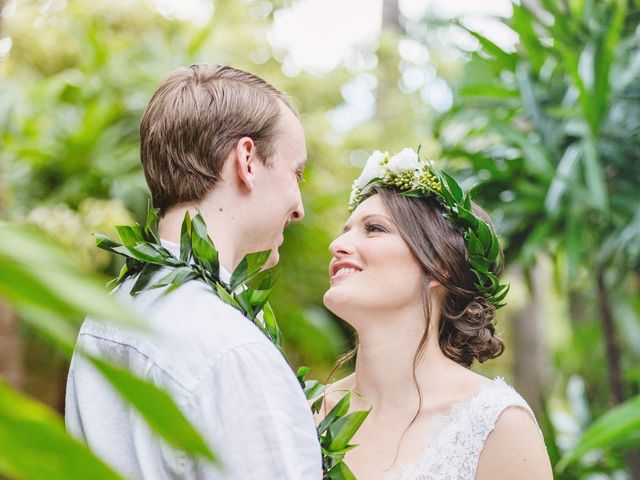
x=547, y=133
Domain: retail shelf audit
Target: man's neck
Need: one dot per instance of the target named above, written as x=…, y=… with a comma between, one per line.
x=219, y=228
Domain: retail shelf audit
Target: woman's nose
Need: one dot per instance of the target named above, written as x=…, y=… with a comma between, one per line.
x=341, y=246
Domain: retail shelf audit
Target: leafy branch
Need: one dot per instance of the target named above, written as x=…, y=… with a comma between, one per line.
x=336, y=429
x=247, y=290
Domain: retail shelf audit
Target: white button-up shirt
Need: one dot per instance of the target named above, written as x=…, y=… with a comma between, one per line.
x=224, y=374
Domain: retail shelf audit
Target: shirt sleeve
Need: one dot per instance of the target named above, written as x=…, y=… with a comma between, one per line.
x=254, y=415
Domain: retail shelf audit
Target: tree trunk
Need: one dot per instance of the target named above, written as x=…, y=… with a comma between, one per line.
x=614, y=357
x=612, y=344
x=387, y=72
x=391, y=15
x=529, y=359
x=11, y=368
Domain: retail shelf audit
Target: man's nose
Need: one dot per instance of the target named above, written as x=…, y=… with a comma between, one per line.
x=298, y=213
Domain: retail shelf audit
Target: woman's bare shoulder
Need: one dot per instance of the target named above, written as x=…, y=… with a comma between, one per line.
x=515, y=448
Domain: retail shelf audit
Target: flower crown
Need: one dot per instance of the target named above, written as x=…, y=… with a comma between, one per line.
x=413, y=177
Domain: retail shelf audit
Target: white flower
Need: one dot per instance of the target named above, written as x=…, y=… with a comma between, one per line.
x=355, y=191
x=404, y=161
x=373, y=169
x=416, y=179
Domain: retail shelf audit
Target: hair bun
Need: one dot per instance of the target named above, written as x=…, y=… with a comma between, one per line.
x=471, y=334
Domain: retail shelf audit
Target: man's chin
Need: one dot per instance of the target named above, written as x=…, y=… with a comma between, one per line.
x=273, y=259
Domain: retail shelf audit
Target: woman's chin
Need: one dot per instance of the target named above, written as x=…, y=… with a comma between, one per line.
x=339, y=301
x=332, y=300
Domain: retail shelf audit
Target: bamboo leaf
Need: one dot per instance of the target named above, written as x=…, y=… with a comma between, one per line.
x=506, y=60
x=593, y=174
x=611, y=428
x=35, y=445
x=313, y=389
x=248, y=267
x=338, y=410
x=145, y=252
x=265, y=280
x=227, y=297
x=302, y=372
x=564, y=176
x=489, y=91
x=151, y=225
x=175, y=277
x=343, y=429
x=501, y=296
x=105, y=243
x=479, y=263
x=485, y=236
x=523, y=21
x=271, y=325
x=340, y=471
x=536, y=157
x=603, y=58
x=144, y=277
x=454, y=188
x=130, y=235
x=473, y=243
x=185, y=239
x=35, y=272
x=156, y=407
x=204, y=251
x=447, y=196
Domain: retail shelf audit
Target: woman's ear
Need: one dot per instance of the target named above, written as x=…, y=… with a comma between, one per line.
x=435, y=283
x=244, y=159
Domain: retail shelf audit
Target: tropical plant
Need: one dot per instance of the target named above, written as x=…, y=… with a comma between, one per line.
x=548, y=134
x=39, y=279
x=71, y=99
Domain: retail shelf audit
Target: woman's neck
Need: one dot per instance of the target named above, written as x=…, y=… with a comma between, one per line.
x=384, y=373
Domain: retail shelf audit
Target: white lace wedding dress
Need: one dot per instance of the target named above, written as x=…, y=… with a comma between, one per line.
x=453, y=450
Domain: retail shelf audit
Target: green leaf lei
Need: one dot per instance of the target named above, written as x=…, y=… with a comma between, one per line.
x=413, y=177
x=248, y=291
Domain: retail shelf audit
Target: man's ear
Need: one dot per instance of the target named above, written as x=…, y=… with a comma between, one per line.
x=244, y=160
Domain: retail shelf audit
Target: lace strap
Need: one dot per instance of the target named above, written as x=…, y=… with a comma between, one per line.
x=483, y=415
x=453, y=450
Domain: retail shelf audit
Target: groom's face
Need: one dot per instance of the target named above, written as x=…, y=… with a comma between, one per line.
x=278, y=191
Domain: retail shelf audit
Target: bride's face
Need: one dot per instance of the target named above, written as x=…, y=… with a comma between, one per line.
x=372, y=270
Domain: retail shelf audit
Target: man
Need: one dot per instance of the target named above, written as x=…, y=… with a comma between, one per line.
x=228, y=144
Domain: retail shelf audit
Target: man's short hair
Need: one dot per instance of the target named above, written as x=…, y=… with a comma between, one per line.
x=193, y=122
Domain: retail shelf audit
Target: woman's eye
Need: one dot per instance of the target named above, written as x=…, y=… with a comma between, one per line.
x=372, y=227
x=299, y=176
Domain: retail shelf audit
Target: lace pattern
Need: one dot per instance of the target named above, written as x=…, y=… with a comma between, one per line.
x=453, y=449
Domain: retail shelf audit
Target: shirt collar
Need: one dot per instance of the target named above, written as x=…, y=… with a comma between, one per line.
x=174, y=248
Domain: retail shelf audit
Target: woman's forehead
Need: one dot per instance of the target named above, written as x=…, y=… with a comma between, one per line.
x=372, y=204
x=370, y=207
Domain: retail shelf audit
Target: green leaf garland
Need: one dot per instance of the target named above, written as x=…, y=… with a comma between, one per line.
x=418, y=178
x=248, y=291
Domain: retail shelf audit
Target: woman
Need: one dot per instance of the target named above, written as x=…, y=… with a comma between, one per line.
x=415, y=272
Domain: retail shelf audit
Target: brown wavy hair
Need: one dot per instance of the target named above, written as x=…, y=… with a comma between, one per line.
x=467, y=324
x=193, y=122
